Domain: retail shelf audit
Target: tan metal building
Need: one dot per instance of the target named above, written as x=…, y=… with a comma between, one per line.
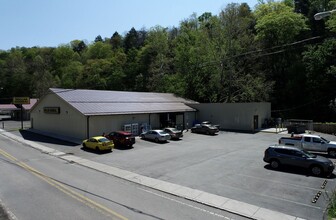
x=80, y=113
x=234, y=116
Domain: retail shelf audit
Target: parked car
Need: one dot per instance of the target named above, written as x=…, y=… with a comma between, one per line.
x=311, y=143
x=209, y=123
x=121, y=138
x=98, y=143
x=204, y=129
x=155, y=135
x=278, y=155
x=174, y=133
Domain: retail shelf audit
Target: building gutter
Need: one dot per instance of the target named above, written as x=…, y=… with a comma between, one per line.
x=88, y=127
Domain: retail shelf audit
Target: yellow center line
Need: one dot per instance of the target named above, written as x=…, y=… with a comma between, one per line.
x=79, y=197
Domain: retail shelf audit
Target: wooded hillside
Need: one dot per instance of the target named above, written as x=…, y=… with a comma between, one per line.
x=276, y=53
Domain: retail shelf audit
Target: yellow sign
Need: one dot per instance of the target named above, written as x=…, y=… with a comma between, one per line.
x=21, y=100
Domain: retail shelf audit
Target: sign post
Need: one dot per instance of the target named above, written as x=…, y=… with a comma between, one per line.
x=21, y=101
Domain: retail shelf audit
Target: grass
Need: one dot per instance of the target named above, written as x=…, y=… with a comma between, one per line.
x=332, y=206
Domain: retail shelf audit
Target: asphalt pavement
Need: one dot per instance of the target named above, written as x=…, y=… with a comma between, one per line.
x=228, y=166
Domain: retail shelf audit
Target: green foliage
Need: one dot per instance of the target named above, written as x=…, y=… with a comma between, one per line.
x=331, y=23
x=78, y=45
x=277, y=23
x=239, y=55
x=116, y=40
x=320, y=65
x=332, y=204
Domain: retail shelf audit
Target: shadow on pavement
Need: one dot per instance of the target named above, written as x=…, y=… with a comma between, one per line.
x=31, y=136
x=121, y=147
x=298, y=171
x=95, y=151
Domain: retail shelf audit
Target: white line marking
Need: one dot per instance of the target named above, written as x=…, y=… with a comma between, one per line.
x=191, y=206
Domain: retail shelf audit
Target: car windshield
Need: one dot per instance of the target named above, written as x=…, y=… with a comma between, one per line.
x=103, y=140
x=309, y=155
x=325, y=140
x=174, y=129
x=162, y=132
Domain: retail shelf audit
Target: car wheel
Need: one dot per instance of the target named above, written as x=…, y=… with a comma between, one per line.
x=142, y=136
x=97, y=148
x=316, y=170
x=207, y=132
x=275, y=164
x=84, y=145
x=332, y=152
x=156, y=140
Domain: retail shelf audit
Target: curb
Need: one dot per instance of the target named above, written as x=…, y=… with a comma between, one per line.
x=6, y=211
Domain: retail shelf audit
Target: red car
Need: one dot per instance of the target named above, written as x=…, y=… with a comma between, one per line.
x=121, y=138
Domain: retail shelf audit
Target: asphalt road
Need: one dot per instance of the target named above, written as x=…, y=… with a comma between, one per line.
x=39, y=186
x=229, y=164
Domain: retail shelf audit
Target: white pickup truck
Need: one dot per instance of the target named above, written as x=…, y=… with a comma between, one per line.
x=310, y=143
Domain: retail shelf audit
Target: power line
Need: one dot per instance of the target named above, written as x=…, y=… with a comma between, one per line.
x=265, y=50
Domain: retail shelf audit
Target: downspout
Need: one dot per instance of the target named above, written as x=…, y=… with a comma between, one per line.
x=183, y=127
x=88, y=127
x=149, y=120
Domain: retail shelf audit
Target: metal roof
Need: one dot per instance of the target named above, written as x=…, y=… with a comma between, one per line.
x=12, y=107
x=30, y=105
x=103, y=102
x=8, y=107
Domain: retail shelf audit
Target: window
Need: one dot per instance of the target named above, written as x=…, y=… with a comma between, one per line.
x=283, y=151
x=307, y=139
x=316, y=140
x=296, y=153
x=92, y=140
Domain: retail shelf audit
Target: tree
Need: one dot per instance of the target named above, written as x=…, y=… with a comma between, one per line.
x=116, y=41
x=131, y=40
x=98, y=39
x=331, y=22
x=99, y=50
x=320, y=68
x=17, y=81
x=154, y=59
x=72, y=75
x=42, y=78
x=278, y=24
x=78, y=46
x=62, y=56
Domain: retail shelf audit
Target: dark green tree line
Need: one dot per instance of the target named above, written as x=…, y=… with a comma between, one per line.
x=276, y=52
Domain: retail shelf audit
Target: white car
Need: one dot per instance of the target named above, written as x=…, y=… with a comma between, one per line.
x=155, y=135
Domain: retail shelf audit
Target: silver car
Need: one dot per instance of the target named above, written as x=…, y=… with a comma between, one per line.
x=174, y=133
x=155, y=135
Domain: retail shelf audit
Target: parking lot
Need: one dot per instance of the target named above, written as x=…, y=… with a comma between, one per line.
x=228, y=164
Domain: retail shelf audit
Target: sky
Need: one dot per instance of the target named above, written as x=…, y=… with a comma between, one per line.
x=50, y=23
